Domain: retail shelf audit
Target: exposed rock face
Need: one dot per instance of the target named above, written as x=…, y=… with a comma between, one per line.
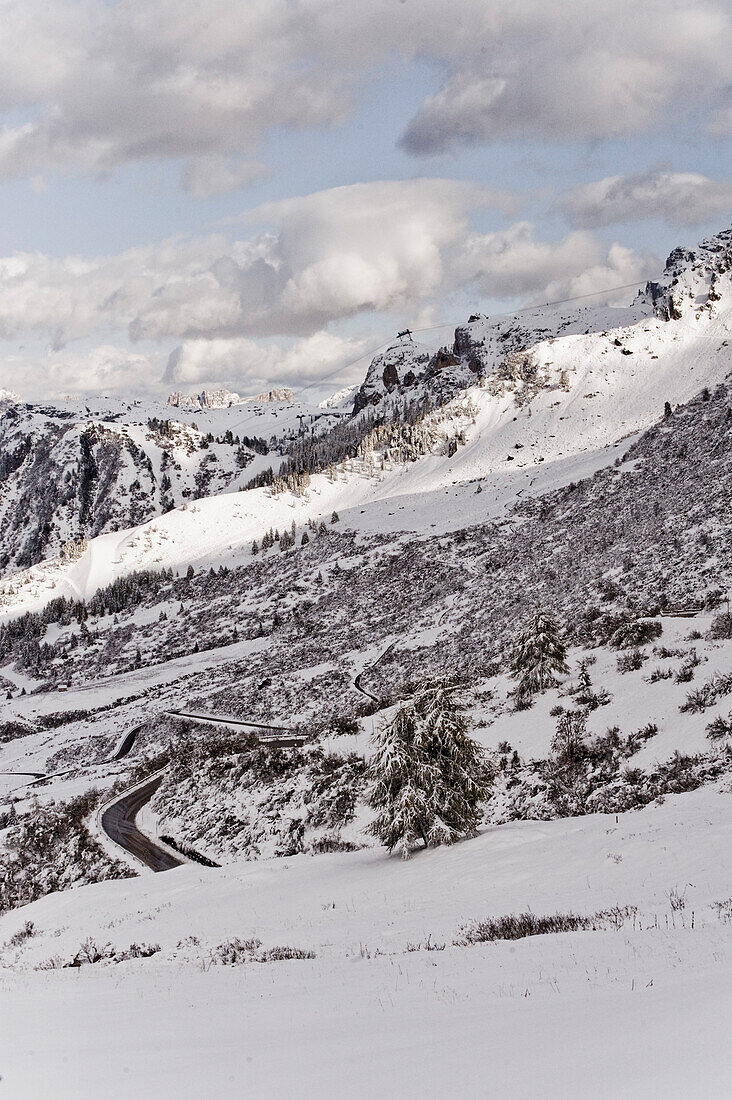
x=691, y=278
x=498, y=350
x=443, y=359
x=401, y=365
x=64, y=475
x=282, y=394
x=206, y=399
x=390, y=376
x=223, y=399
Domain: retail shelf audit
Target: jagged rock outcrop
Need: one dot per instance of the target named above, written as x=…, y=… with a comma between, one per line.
x=691, y=278
x=279, y=395
x=223, y=399
x=501, y=350
x=206, y=399
x=405, y=371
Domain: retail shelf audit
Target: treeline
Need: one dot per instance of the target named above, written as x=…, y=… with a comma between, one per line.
x=24, y=633
x=169, y=429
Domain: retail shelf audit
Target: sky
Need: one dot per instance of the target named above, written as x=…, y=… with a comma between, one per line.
x=254, y=193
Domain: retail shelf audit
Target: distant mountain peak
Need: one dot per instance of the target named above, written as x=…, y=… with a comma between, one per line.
x=280, y=394
x=207, y=399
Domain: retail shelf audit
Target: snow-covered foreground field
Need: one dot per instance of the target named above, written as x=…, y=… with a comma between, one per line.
x=636, y=1011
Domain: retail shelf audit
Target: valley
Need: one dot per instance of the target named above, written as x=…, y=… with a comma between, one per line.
x=205, y=661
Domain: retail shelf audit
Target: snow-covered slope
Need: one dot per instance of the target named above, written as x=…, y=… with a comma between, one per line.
x=581, y=461
x=387, y=1003
x=79, y=470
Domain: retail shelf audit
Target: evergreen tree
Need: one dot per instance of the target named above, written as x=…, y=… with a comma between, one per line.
x=539, y=657
x=428, y=776
x=334, y=518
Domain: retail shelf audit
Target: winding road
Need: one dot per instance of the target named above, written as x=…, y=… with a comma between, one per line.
x=358, y=681
x=119, y=823
x=119, y=819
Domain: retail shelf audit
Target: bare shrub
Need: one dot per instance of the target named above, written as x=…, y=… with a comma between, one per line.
x=517, y=926
x=23, y=934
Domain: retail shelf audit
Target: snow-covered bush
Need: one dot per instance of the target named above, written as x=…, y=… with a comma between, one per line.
x=707, y=694
x=517, y=926
x=50, y=848
x=721, y=626
x=226, y=796
x=631, y=661
x=635, y=633
x=719, y=728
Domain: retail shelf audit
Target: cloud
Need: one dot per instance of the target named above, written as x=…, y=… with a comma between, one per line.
x=618, y=267
x=241, y=364
x=327, y=257
x=87, y=85
x=108, y=84
x=206, y=176
x=248, y=365
x=575, y=71
x=680, y=198
x=513, y=263
x=106, y=369
x=719, y=124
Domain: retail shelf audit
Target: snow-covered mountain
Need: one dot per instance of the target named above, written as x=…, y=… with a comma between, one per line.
x=577, y=460
x=554, y=387
x=223, y=399
x=545, y=347
x=81, y=469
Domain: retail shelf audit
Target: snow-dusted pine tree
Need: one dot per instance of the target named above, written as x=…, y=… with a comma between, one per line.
x=539, y=657
x=428, y=776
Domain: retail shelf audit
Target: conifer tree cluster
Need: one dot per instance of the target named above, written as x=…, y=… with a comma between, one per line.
x=539, y=657
x=401, y=432
x=428, y=776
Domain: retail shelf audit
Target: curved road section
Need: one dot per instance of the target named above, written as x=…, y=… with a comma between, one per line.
x=119, y=823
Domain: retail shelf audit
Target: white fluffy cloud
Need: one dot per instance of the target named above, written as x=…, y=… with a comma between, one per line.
x=330, y=256
x=250, y=365
x=680, y=198
x=513, y=263
x=86, y=85
x=388, y=246
x=237, y=362
x=106, y=369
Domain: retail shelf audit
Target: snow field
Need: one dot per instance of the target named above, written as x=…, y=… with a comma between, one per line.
x=616, y=1013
